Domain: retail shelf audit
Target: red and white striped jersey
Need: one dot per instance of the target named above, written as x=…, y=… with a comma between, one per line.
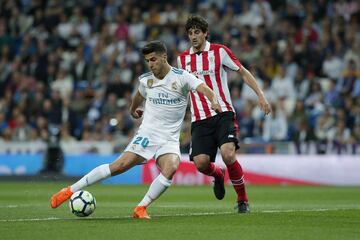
x=209, y=66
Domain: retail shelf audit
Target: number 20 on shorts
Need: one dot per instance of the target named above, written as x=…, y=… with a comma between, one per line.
x=144, y=142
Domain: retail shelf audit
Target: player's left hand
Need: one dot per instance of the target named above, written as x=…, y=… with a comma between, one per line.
x=216, y=107
x=264, y=105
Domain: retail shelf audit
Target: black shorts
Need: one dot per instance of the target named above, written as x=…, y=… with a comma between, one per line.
x=209, y=134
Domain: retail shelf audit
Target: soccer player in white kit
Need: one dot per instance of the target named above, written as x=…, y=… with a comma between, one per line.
x=165, y=90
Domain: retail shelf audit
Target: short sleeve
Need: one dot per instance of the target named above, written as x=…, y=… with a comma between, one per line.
x=142, y=89
x=179, y=63
x=229, y=59
x=191, y=81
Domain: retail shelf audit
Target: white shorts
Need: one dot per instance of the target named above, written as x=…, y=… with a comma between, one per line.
x=150, y=147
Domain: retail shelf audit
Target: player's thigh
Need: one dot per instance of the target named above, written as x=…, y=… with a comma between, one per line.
x=203, y=142
x=226, y=132
x=124, y=162
x=168, y=158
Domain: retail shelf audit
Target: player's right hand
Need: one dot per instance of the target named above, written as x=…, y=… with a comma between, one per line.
x=264, y=105
x=137, y=113
x=216, y=107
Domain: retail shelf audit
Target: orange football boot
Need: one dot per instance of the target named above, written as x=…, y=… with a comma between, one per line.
x=58, y=198
x=140, y=212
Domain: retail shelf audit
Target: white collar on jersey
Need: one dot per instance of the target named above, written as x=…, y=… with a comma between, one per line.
x=207, y=47
x=158, y=82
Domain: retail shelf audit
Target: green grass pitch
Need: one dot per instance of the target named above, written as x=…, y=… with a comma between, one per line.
x=191, y=212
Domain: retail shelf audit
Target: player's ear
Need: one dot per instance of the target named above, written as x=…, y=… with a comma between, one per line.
x=206, y=34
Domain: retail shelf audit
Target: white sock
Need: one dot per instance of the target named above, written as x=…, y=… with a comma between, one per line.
x=99, y=173
x=157, y=187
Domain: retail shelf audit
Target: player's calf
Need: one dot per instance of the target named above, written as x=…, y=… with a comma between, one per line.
x=219, y=187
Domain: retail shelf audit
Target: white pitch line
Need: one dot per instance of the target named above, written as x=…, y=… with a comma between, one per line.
x=177, y=215
x=10, y=206
x=20, y=205
x=307, y=210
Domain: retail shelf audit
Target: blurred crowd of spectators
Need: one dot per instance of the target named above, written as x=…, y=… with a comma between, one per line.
x=74, y=65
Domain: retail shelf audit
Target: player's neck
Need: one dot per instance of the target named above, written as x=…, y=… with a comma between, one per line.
x=163, y=73
x=200, y=48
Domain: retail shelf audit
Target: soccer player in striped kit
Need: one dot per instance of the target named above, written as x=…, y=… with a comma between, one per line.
x=211, y=130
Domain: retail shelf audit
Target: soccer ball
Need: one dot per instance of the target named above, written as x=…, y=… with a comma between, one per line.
x=82, y=203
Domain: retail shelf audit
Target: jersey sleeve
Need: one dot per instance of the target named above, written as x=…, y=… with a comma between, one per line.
x=229, y=59
x=142, y=89
x=191, y=81
x=179, y=63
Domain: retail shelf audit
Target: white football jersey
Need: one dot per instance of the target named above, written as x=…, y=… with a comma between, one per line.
x=166, y=102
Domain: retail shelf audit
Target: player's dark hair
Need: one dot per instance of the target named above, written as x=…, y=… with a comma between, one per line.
x=196, y=21
x=154, y=46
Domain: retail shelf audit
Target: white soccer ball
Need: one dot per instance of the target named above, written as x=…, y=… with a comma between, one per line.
x=82, y=203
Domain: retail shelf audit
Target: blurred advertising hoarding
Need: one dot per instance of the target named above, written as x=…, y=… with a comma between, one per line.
x=259, y=169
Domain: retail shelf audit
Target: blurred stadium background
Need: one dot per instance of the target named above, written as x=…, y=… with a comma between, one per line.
x=68, y=69
x=67, y=72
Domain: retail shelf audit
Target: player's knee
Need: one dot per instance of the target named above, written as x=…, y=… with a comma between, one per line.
x=201, y=163
x=169, y=172
x=170, y=169
x=228, y=156
x=173, y=168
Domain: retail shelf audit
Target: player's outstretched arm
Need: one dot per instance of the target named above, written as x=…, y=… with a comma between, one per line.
x=202, y=88
x=135, y=103
x=250, y=80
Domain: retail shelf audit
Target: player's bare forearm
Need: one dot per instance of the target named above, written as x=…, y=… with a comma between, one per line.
x=205, y=90
x=250, y=80
x=209, y=94
x=135, y=103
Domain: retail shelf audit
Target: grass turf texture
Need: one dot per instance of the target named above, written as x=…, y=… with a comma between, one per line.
x=278, y=212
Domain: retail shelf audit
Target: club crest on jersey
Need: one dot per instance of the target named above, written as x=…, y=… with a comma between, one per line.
x=174, y=86
x=211, y=59
x=150, y=82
